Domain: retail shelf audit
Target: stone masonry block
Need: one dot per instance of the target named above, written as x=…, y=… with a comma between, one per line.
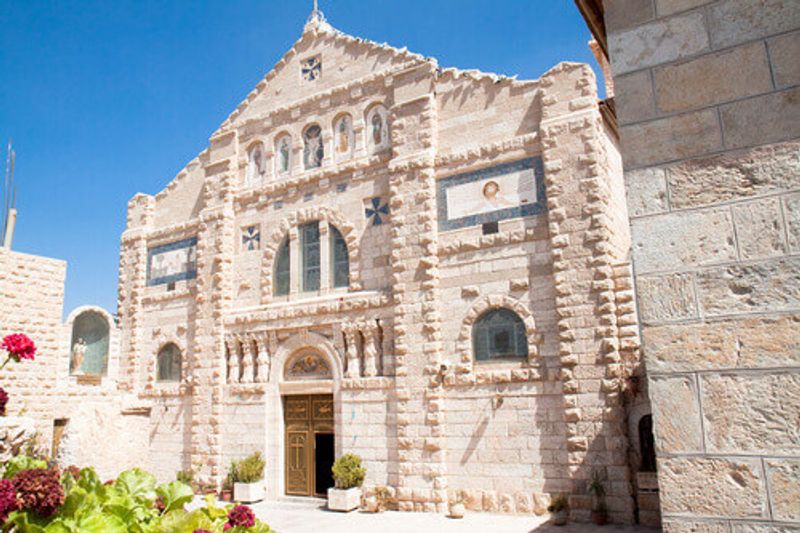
x=646, y=191
x=680, y=240
x=735, y=21
x=750, y=342
x=657, y=42
x=667, y=297
x=622, y=14
x=671, y=395
x=735, y=175
x=752, y=413
x=690, y=525
x=713, y=78
x=784, y=485
x=764, y=286
x=712, y=487
x=784, y=52
x=668, y=7
x=769, y=118
x=791, y=210
x=759, y=228
x=672, y=138
x=634, y=96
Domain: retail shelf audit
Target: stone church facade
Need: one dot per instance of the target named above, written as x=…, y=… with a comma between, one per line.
x=424, y=266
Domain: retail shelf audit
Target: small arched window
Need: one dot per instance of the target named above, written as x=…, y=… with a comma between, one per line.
x=377, y=128
x=283, y=155
x=313, y=150
x=169, y=363
x=499, y=334
x=256, y=166
x=340, y=260
x=343, y=137
x=282, y=269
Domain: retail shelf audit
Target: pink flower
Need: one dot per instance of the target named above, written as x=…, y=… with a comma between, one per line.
x=19, y=346
x=8, y=499
x=241, y=515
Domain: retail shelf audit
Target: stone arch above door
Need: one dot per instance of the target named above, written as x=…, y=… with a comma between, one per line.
x=291, y=351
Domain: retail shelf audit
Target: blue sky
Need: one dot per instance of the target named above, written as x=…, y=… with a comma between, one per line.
x=105, y=99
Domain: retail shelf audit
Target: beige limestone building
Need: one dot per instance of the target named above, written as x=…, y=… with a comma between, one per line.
x=708, y=99
x=422, y=265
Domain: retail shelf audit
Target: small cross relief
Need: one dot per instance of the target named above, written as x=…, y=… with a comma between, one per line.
x=311, y=68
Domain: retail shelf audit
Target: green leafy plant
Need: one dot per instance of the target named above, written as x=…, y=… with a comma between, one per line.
x=348, y=472
x=185, y=476
x=19, y=463
x=248, y=470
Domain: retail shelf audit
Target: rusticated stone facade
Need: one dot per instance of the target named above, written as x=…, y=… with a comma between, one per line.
x=708, y=101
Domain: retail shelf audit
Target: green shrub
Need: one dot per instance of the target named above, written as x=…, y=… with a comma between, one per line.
x=248, y=470
x=185, y=476
x=348, y=472
x=20, y=463
x=559, y=503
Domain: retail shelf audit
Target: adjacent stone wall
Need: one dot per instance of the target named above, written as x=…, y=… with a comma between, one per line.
x=709, y=107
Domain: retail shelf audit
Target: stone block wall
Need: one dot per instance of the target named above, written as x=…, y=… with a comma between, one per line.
x=708, y=101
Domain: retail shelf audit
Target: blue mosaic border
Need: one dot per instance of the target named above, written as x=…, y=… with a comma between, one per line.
x=189, y=274
x=525, y=210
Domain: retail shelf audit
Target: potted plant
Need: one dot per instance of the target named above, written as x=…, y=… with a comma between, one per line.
x=559, y=508
x=348, y=474
x=248, y=478
x=598, y=491
x=226, y=492
x=455, y=506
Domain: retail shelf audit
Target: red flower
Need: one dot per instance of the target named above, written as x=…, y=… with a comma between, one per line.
x=3, y=400
x=8, y=499
x=19, y=346
x=241, y=515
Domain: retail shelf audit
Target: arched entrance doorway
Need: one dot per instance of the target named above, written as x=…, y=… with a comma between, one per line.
x=308, y=419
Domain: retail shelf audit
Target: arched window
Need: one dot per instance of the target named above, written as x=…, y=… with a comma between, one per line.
x=169, y=363
x=282, y=269
x=499, y=334
x=313, y=150
x=89, y=347
x=256, y=166
x=340, y=260
x=343, y=137
x=377, y=128
x=283, y=155
x=312, y=255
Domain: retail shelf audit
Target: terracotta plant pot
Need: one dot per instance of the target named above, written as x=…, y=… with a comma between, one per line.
x=226, y=495
x=600, y=518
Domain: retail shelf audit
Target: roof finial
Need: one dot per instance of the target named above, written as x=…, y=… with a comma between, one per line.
x=316, y=15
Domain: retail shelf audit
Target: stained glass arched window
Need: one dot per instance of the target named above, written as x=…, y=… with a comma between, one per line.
x=169, y=363
x=340, y=260
x=282, y=270
x=499, y=334
x=377, y=128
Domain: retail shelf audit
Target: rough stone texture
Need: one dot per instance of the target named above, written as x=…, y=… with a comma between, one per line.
x=16, y=433
x=668, y=7
x=751, y=342
x=672, y=241
x=712, y=487
x=657, y=42
x=763, y=286
x=634, y=95
x=759, y=229
x=728, y=75
x=791, y=209
x=626, y=13
x=739, y=527
x=706, y=181
x=646, y=191
x=665, y=298
x=683, y=525
x=676, y=433
x=784, y=51
x=752, y=413
x=784, y=485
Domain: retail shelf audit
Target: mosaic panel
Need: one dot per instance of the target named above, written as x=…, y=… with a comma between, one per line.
x=172, y=262
x=504, y=191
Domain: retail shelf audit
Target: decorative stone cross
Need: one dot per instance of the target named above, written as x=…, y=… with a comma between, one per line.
x=376, y=211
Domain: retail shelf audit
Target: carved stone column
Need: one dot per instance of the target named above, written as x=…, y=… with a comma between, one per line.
x=262, y=359
x=370, y=332
x=247, y=361
x=233, y=360
x=352, y=351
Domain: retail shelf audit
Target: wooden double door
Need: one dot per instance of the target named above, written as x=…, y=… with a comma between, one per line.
x=309, y=444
